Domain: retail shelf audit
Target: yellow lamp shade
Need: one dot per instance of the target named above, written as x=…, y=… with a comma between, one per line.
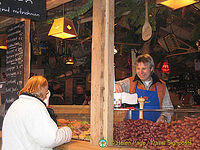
x=63, y=28
x=3, y=41
x=176, y=4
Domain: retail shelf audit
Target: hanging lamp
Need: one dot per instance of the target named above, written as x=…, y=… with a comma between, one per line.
x=3, y=41
x=176, y=4
x=63, y=28
x=69, y=61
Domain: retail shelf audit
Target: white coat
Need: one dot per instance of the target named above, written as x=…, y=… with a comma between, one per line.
x=27, y=125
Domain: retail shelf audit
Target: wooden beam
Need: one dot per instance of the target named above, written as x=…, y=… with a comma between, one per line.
x=108, y=103
x=8, y=21
x=102, y=73
x=0, y=99
x=84, y=20
x=27, y=50
x=159, y=1
x=133, y=58
x=55, y=3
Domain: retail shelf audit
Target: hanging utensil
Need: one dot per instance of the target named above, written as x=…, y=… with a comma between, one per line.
x=146, y=29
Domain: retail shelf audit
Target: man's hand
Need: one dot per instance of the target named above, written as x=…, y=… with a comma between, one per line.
x=118, y=88
x=161, y=119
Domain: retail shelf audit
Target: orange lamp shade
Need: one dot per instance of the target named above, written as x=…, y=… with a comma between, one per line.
x=176, y=4
x=63, y=28
x=3, y=41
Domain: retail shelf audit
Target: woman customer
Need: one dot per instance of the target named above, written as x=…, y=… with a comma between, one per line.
x=27, y=124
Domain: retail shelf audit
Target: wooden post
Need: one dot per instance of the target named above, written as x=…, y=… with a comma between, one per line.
x=27, y=50
x=0, y=98
x=69, y=90
x=55, y=3
x=133, y=58
x=102, y=73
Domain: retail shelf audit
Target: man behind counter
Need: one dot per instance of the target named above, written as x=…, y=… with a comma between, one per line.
x=147, y=85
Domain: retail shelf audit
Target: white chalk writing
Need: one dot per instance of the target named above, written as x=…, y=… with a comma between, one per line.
x=27, y=13
x=25, y=1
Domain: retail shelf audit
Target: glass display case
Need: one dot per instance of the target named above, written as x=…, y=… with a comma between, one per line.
x=182, y=132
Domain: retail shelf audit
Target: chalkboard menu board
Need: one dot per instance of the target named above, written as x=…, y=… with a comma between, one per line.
x=33, y=9
x=14, y=61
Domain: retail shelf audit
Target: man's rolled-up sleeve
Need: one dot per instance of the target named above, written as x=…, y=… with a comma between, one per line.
x=125, y=84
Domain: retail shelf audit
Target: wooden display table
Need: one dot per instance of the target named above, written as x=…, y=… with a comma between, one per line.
x=84, y=145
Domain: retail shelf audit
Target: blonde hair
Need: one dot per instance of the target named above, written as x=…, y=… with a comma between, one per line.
x=146, y=59
x=34, y=86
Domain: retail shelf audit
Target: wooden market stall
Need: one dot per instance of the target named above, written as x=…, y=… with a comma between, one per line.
x=102, y=77
x=100, y=113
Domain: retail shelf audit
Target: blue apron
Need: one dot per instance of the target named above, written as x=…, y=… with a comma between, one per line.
x=152, y=102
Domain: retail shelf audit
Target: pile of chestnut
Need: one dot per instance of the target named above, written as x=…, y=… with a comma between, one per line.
x=180, y=134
